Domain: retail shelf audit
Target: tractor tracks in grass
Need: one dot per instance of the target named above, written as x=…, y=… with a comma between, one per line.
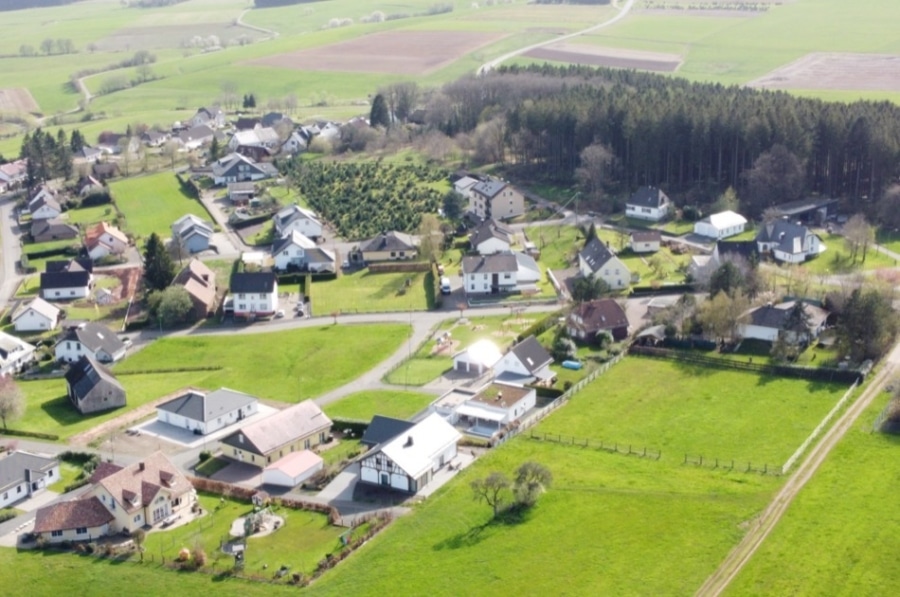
x=735, y=561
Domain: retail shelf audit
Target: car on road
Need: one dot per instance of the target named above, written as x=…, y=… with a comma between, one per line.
x=279, y=314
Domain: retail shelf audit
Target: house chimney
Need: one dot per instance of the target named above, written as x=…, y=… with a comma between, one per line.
x=409, y=441
x=141, y=466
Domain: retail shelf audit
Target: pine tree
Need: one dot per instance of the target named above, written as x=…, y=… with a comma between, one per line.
x=76, y=142
x=214, y=150
x=159, y=271
x=379, y=116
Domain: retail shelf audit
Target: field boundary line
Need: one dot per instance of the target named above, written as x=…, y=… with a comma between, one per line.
x=815, y=433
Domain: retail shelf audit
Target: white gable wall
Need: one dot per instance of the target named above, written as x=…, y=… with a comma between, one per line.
x=32, y=321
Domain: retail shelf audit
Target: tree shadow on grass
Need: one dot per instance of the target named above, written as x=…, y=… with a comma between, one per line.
x=509, y=517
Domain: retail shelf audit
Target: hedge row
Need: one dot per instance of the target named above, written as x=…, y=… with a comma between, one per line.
x=20, y=433
x=252, y=221
x=60, y=252
x=539, y=327
x=355, y=426
x=399, y=267
x=172, y=370
x=656, y=290
x=242, y=493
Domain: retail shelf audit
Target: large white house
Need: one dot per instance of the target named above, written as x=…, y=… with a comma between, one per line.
x=597, y=260
x=23, y=475
x=294, y=218
x=648, y=203
x=788, y=242
x=490, y=274
x=15, y=354
x=207, y=412
x=254, y=294
x=495, y=199
x=91, y=339
x=408, y=461
x=769, y=322
x=36, y=316
x=721, y=225
x=43, y=203
x=486, y=411
x=296, y=251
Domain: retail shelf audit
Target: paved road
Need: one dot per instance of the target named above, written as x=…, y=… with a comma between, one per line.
x=11, y=251
x=717, y=583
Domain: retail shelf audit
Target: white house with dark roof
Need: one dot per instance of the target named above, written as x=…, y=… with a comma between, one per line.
x=15, y=354
x=768, y=322
x=297, y=252
x=235, y=167
x=64, y=281
x=491, y=237
x=302, y=426
x=788, y=242
x=91, y=339
x=23, y=475
x=212, y=117
x=254, y=294
x=495, y=199
x=294, y=218
x=207, y=412
x=596, y=260
x=43, y=203
x=91, y=387
x=390, y=246
x=409, y=461
x=36, y=315
x=648, y=203
x=645, y=241
x=721, y=225
x=525, y=362
x=490, y=274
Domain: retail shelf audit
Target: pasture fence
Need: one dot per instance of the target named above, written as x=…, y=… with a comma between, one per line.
x=819, y=428
x=613, y=447
x=730, y=464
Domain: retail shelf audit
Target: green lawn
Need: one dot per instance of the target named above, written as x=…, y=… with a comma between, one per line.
x=51, y=245
x=390, y=403
x=68, y=474
x=430, y=361
x=86, y=216
x=829, y=546
x=151, y=203
x=307, y=363
x=362, y=292
x=680, y=408
x=678, y=227
x=836, y=259
x=609, y=525
x=210, y=466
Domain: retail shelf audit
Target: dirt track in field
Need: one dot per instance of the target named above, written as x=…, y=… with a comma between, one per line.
x=836, y=71
x=17, y=99
x=392, y=52
x=610, y=57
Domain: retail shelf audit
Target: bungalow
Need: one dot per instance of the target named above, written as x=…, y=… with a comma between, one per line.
x=493, y=406
x=13, y=174
x=23, y=475
x=36, y=316
x=648, y=203
x=113, y=143
x=255, y=294
x=495, y=199
x=293, y=469
x=76, y=520
x=103, y=240
x=92, y=339
x=491, y=237
x=44, y=203
x=383, y=429
x=408, y=461
x=15, y=354
x=389, y=246
x=296, y=252
x=597, y=260
x=295, y=218
x=240, y=193
x=259, y=137
x=477, y=358
x=300, y=427
x=769, y=322
x=65, y=280
x=200, y=283
x=602, y=316
x=92, y=388
x=720, y=225
x=788, y=242
x=192, y=234
x=490, y=273
x=212, y=117
x=645, y=241
x=206, y=412
x=525, y=362
x=238, y=168
x=196, y=137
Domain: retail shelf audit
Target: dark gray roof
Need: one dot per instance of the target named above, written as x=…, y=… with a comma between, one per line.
x=13, y=468
x=596, y=253
x=530, y=352
x=253, y=282
x=273, y=118
x=95, y=337
x=383, y=429
x=489, y=188
x=53, y=227
x=389, y=241
x=646, y=236
x=748, y=249
x=648, y=197
x=246, y=124
x=488, y=230
x=490, y=264
x=803, y=206
x=785, y=233
x=206, y=407
x=85, y=374
x=51, y=280
x=601, y=314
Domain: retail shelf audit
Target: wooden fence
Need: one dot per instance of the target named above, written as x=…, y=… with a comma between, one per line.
x=614, y=447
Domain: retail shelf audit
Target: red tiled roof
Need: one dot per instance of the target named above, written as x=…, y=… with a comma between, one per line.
x=76, y=514
x=144, y=480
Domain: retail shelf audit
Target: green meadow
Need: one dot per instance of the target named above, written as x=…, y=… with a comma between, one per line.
x=152, y=203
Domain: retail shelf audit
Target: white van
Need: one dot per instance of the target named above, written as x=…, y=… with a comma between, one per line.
x=445, y=285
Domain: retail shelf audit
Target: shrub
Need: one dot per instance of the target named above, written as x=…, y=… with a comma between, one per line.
x=7, y=515
x=205, y=455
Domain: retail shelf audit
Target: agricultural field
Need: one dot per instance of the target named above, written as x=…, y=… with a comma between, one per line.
x=824, y=545
x=152, y=203
x=714, y=413
x=309, y=362
x=362, y=406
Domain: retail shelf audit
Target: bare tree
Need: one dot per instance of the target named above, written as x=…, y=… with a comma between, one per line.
x=858, y=234
x=12, y=400
x=591, y=174
x=722, y=314
x=491, y=490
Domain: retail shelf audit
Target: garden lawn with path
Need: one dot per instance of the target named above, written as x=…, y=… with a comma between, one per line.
x=362, y=406
x=849, y=542
x=151, y=203
x=308, y=362
x=680, y=408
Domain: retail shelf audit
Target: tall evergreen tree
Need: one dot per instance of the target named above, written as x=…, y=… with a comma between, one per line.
x=159, y=271
x=379, y=115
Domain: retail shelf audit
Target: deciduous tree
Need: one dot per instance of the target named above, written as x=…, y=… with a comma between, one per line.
x=776, y=177
x=492, y=490
x=170, y=306
x=12, y=400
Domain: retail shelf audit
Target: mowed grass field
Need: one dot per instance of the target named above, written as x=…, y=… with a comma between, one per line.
x=364, y=292
x=839, y=535
x=362, y=406
x=152, y=203
x=716, y=413
x=285, y=366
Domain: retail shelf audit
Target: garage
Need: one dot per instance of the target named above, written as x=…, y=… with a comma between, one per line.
x=293, y=469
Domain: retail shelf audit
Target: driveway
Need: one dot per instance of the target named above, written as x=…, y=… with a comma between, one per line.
x=341, y=487
x=188, y=439
x=240, y=473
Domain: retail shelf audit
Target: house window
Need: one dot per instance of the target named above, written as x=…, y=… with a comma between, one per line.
x=240, y=296
x=50, y=473
x=137, y=518
x=56, y=293
x=393, y=254
x=322, y=437
x=306, y=444
x=56, y=533
x=81, y=531
x=507, y=276
x=71, y=293
x=6, y=495
x=19, y=489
